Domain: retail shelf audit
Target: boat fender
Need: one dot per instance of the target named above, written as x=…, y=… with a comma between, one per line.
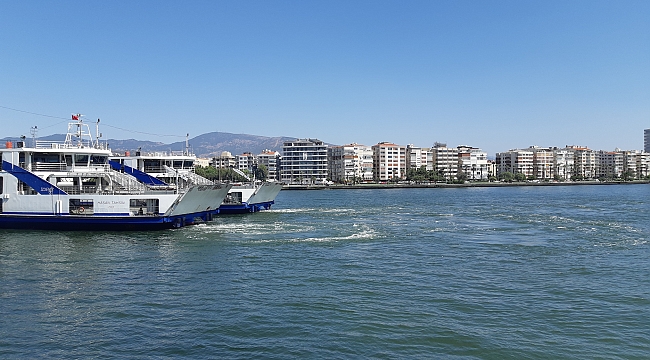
x=81, y=210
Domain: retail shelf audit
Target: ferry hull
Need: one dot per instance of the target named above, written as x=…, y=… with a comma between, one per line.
x=255, y=199
x=244, y=208
x=100, y=223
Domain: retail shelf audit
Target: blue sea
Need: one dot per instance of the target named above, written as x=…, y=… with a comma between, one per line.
x=463, y=273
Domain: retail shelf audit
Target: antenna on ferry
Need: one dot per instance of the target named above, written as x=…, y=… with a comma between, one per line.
x=34, y=131
x=97, y=134
x=77, y=117
x=187, y=146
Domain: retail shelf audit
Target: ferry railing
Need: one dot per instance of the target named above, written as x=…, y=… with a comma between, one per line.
x=42, y=144
x=127, y=182
x=154, y=169
x=91, y=168
x=40, y=166
x=189, y=176
x=49, y=144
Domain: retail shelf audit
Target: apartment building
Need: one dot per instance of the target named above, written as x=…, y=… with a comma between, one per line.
x=246, y=162
x=225, y=160
x=416, y=157
x=350, y=163
x=646, y=141
x=202, y=162
x=609, y=164
x=270, y=159
x=643, y=164
x=515, y=161
x=562, y=164
x=543, y=162
x=304, y=161
x=584, y=161
x=389, y=161
x=445, y=160
x=473, y=163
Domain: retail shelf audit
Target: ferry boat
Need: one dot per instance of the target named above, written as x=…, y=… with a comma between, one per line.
x=176, y=169
x=70, y=185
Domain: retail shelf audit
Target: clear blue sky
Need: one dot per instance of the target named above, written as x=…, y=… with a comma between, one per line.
x=491, y=74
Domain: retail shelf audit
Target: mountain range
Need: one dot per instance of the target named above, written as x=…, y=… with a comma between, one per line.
x=205, y=146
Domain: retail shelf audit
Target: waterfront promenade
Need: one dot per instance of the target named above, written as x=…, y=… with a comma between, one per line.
x=465, y=185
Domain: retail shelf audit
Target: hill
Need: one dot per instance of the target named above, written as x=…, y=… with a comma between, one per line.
x=205, y=145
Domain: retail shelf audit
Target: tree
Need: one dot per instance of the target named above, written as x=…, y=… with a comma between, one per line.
x=520, y=177
x=628, y=175
x=217, y=174
x=506, y=176
x=262, y=172
x=417, y=175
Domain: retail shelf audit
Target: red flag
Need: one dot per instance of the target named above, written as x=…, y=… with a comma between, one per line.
x=75, y=117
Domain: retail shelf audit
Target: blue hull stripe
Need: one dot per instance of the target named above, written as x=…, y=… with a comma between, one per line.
x=99, y=223
x=244, y=208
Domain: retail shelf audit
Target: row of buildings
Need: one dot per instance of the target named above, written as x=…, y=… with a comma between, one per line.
x=311, y=161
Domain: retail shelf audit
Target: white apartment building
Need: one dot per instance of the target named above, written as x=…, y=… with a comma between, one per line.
x=515, y=161
x=270, y=159
x=563, y=164
x=584, y=161
x=246, y=161
x=643, y=164
x=304, y=161
x=445, y=160
x=416, y=157
x=389, y=161
x=543, y=162
x=609, y=164
x=350, y=163
x=225, y=160
x=473, y=162
x=630, y=162
x=202, y=162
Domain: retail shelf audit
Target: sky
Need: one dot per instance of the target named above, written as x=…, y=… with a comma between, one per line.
x=496, y=75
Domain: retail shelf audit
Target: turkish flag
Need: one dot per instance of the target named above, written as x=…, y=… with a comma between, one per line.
x=75, y=117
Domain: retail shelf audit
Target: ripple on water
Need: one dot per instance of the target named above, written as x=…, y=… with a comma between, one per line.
x=418, y=273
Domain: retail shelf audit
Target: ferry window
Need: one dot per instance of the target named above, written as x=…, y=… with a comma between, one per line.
x=68, y=160
x=188, y=164
x=144, y=206
x=178, y=164
x=25, y=189
x=234, y=197
x=46, y=158
x=98, y=160
x=151, y=165
x=2, y=186
x=81, y=159
x=81, y=206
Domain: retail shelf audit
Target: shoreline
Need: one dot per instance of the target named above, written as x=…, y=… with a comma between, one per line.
x=466, y=185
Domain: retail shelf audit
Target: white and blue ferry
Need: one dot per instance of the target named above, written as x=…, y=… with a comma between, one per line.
x=70, y=185
x=176, y=169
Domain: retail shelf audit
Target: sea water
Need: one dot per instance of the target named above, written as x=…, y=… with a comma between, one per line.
x=470, y=273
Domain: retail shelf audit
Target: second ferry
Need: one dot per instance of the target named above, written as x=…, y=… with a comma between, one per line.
x=176, y=169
